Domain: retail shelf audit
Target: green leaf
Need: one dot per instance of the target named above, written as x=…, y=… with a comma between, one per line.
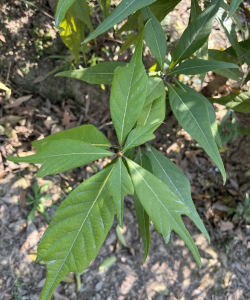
x=105, y=7
x=70, y=35
x=234, y=5
x=141, y=215
x=154, y=112
x=140, y=135
x=77, y=230
x=81, y=10
x=195, y=10
x=196, y=34
x=155, y=89
x=61, y=10
x=227, y=7
x=176, y=181
x=161, y=8
x=162, y=206
x=199, y=66
x=108, y=262
x=211, y=112
x=62, y=155
x=237, y=102
x=192, y=114
x=124, y=9
x=246, y=79
x=229, y=28
x=128, y=94
x=131, y=40
x=154, y=36
x=218, y=55
x=87, y=133
x=120, y=185
x=130, y=153
x=99, y=74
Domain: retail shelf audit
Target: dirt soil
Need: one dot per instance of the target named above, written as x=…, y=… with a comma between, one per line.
x=37, y=109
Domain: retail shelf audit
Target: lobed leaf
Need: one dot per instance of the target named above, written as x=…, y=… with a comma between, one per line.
x=196, y=34
x=140, y=135
x=154, y=112
x=211, y=111
x=124, y=9
x=128, y=94
x=237, y=102
x=154, y=36
x=62, y=155
x=176, y=181
x=120, y=185
x=77, y=230
x=199, y=66
x=192, y=114
x=99, y=74
x=162, y=206
x=155, y=88
x=87, y=133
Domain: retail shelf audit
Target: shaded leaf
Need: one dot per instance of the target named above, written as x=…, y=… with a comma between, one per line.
x=176, y=181
x=77, y=230
x=131, y=40
x=81, y=10
x=154, y=36
x=128, y=94
x=120, y=185
x=234, y=5
x=237, y=102
x=141, y=215
x=140, y=135
x=192, y=114
x=162, y=206
x=124, y=9
x=211, y=112
x=155, y=88
x=87, y=133
x=154, y=112
x=62, y=155
x=120, y=236
x=99, y=74
x=196, y=34
x=105, y=7
x=199, y=66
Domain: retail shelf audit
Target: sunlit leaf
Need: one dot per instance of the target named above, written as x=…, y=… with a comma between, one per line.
x=62, y=155
x=176, y=181
x=192, y=114
x=128, y=94
x=61, y=10
x=162, y=206
x=102, y=73
x=154, y=36
x=77, y=230
x=211, y=112
x=155, y=89
x=87, y=133
x=120, y=185
x=124, y=9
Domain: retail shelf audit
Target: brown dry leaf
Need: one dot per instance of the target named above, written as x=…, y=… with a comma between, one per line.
x=226, y=226
x=22, y=198
x=56, y=128
x=38, y=79
x=127, y=269
x=11, y=119
x=66, y=118
x=10, y=132
x=2, y=38
x=71, y=125
x=18, y=101
x=59, y=296
x=5, y=296
x=49, y=122
x=19, y=72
